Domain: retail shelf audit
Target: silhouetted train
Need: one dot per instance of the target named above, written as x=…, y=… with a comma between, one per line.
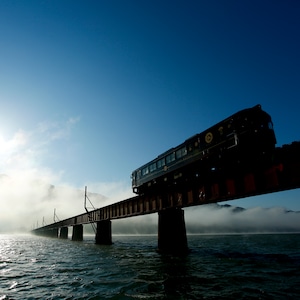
x=245, y=138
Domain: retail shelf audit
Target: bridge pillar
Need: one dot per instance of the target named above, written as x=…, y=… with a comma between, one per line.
x=77, y=234
x=171, y=231
x=63, y=233
x=103, y=234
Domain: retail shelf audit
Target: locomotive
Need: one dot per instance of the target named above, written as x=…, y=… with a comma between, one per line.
x=246, y=138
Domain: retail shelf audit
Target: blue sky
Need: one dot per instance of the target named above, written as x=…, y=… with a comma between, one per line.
x=91, y=90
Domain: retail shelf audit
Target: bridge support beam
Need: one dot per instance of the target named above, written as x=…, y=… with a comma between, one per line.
x=63, y=233
x=103, y=233
x=77, y=234
x=171, y=231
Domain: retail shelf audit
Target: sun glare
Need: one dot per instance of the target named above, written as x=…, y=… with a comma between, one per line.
x=8, y=146
x=2, y=144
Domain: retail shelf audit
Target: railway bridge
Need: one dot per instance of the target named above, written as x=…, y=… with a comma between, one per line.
x=282, y=174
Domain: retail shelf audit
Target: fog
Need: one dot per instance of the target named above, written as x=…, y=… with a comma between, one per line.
x=27, y=202
x=218, y=218
x=30, y=191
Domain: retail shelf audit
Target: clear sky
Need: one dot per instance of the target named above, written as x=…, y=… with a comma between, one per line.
x=91, y=90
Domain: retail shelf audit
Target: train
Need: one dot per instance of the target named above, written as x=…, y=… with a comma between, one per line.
x=244, y=139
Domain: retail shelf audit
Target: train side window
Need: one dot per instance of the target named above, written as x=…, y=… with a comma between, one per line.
x=161, y=163
x=153, y=167
x=145, y=171
x=181, y=152
x=170, y=157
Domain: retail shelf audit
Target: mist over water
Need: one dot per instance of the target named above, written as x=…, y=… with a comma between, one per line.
x=218, y=218
x=218, y=267
x=28, y=202
x=221, y=219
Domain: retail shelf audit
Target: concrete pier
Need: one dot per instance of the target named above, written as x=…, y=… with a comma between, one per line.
x=77, y=234
x=103, y=234
x=63, y=233
x=171, y=231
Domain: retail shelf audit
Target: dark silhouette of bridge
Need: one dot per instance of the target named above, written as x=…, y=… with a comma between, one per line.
x=282, y=174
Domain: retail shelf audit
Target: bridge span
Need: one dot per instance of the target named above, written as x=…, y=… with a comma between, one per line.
x=282, y=174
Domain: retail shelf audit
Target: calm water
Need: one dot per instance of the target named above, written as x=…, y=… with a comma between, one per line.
x=218, y=267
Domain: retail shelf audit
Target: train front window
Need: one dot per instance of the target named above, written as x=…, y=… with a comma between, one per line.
x=270, y=125
x=133, y=177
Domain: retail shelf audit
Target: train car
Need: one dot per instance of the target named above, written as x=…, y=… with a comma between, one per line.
x=245, y=137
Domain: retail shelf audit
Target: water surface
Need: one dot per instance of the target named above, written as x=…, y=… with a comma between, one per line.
x=217, y=267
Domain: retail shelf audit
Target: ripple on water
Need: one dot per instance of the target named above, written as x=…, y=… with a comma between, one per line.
x=217, y=267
